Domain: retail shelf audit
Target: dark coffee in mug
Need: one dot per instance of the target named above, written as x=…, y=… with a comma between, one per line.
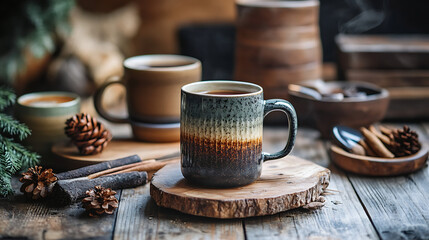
x=225, y=92
x=167, y=65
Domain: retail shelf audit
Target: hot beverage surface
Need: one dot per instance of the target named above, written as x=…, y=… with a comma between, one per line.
x=224, y=92
x=47, y=101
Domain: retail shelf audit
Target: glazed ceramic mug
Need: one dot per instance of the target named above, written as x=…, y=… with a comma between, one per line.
x=45, y=113
x=221, y=132
x=153, y=85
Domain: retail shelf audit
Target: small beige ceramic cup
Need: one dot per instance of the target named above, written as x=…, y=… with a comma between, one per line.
x=45, y=114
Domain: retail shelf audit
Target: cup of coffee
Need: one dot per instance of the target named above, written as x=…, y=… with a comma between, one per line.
x=152, y=83
x=45, y=113
x=221, y=127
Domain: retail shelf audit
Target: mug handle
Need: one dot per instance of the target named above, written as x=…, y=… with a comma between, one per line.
x=287, y=108
x=99, y=107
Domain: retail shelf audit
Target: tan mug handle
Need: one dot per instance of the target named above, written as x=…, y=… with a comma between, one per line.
x=99, y=106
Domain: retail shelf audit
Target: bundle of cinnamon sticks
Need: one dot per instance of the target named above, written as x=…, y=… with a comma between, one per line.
x=150, y=166
x=387, y=143
x=374, y=142
x=122, y=165
x=121, y=173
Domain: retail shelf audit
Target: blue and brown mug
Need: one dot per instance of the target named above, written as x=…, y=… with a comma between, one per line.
x=221, y=132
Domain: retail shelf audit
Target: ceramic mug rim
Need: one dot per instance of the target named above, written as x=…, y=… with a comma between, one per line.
x=190, y=62
x=47, y=110
x=28, y=96
x=190, y=88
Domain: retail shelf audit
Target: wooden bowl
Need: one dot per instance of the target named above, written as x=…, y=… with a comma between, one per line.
x=373, y=166
x=351, y=112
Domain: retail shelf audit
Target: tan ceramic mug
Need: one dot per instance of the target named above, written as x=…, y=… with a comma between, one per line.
x=153, y=84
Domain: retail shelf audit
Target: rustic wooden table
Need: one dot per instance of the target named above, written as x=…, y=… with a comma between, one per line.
x=359, y=208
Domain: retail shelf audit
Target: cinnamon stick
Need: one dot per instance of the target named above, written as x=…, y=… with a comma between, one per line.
x=153, y=166
x=85, y=171
x=386, y=131
x=385, y=139
x=368, y=150
x=111, y=170
x=358, y=149
x=70, y=190
x=375, y=144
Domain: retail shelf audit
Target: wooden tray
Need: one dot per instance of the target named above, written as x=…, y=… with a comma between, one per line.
x=287, y=183
x=373, y=166
x=67, y=156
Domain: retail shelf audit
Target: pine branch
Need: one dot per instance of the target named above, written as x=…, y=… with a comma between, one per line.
x=5, y=185
x=31, y=159
x=27, y=158
x=13, y=127
x=10, y=159
x=7, y=97
x=13, y=157
x=5, y=175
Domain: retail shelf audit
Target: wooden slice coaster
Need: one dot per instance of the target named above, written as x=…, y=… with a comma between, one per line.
x=285, y=184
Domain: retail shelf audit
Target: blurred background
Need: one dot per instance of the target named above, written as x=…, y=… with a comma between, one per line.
x=76, y=45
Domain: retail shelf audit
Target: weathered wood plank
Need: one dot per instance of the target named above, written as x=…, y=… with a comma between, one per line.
x=24, y=219
x=420, y=178
x=140, y=218
x=397, y=206
x=342, y=217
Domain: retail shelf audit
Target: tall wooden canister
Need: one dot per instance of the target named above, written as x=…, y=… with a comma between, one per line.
x=277, y=43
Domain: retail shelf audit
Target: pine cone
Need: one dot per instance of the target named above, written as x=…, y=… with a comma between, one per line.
x=100, y=200
x=87, y=134
x=404, y=142
x=37, y=183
